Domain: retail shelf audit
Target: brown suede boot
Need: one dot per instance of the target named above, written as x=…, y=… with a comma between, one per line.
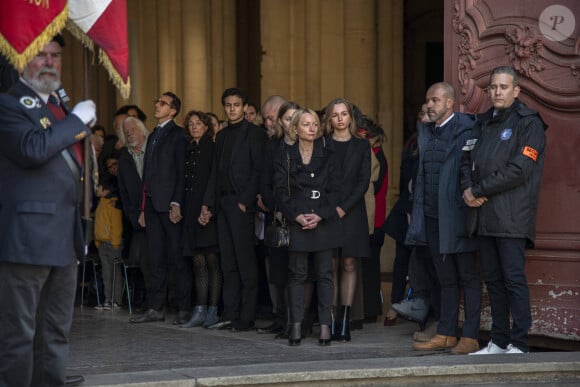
x=438, y=342
x=465, y=346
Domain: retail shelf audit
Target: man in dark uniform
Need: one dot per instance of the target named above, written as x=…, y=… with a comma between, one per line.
x=501, y=176
x=231, y=193
x=41, y=233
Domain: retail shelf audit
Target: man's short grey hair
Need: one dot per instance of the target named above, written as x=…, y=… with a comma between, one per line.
x=506, y=70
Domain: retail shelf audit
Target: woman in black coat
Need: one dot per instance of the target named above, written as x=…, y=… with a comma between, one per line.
x=307, y=186
x=200, y=242
x=278, y=145
x=353, y=154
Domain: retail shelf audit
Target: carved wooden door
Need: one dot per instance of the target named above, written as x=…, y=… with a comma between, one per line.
x=541, y=40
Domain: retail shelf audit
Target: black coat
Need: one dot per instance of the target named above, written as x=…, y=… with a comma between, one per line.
x=163, y=172
x=314, y=188
x=275, y=148
x=198, y=164
x=130, y=188
x=245, y=165
x=356, y=175
x=397, y=223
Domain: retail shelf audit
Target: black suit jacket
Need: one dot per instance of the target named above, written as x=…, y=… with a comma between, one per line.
x=163, y=172
x=130, y=188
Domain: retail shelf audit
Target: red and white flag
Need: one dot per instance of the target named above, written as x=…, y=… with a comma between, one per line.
x=27, y=26
x=104, y=22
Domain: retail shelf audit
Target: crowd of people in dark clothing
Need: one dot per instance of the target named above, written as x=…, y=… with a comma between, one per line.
x=189, y=203
x=198, y=197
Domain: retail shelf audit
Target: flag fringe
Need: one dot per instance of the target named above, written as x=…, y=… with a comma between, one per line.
x=123, y=87
x=20, y=60
x=80, y=35
x=114, y=76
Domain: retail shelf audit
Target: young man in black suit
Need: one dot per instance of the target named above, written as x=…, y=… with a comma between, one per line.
x=231, y=194
x=164, y=188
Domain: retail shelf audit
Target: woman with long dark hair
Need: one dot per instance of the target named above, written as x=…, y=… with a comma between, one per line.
x=200, y=242
x=353, y=154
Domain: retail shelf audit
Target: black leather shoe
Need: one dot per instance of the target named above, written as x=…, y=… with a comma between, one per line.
x=242, y=326
x=74, y=380
x=221, y=325
x=150, y=316
x=272, y=328
x=182, y=318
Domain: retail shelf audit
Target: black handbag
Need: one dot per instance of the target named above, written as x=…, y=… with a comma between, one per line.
x=277, y=233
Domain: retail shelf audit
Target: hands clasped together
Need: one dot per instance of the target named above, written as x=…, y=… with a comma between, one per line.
x=308, y=221
x=471, y=200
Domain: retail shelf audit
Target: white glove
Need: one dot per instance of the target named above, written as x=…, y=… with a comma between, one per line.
x=86, y=111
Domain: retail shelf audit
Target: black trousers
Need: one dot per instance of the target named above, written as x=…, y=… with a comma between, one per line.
x=423, y=279
x=455, y=272
x=279, y=278
x=37, y=305
x=371, y=276
x=238, y=259
x=298, y=272
x=504, y=265
x=167, y=266
x=400, y=272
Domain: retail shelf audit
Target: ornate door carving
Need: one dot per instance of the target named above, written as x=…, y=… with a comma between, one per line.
x=541, y=40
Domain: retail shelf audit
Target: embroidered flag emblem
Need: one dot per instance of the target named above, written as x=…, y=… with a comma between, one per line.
x=530, y=152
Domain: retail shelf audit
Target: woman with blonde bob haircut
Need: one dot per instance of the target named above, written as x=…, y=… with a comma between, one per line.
x=307, y=186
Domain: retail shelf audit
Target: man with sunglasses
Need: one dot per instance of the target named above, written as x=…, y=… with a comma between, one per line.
x=163, y=188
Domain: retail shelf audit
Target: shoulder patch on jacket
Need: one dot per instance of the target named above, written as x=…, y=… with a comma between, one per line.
x=530, y=152
x=469, y=144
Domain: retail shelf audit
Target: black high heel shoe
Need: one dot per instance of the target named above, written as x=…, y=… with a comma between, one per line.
x=295, y=335
x=325, y=336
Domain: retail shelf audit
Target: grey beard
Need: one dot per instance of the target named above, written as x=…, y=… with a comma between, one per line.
x=44, y=86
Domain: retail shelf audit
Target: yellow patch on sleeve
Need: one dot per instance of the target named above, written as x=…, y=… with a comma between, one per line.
x=80, y=136
x=530, y=152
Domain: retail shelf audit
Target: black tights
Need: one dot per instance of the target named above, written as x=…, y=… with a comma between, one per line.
x=208, y=278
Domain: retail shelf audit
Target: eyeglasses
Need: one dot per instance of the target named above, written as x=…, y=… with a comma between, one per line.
x=161, y=102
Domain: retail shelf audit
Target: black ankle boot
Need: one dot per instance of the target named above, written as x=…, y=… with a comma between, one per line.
x=295, y=335
x=344, y=332
x=325, y=337
x=333, y=325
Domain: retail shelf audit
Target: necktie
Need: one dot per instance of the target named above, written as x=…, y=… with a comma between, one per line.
x=56, y=110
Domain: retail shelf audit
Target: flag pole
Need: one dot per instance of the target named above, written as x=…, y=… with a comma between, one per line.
x=87, y=162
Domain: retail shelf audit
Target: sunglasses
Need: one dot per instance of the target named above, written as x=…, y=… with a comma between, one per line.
x=161, y=102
